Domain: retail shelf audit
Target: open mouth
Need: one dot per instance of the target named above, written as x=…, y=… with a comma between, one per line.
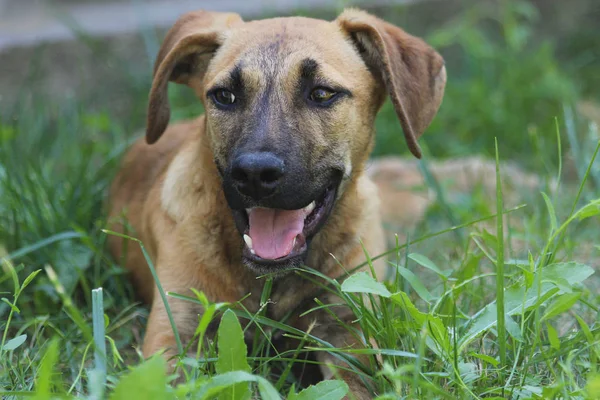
x=274, y=237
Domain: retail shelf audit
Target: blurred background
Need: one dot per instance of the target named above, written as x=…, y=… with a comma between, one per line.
x=514, y=65
x=74, y=79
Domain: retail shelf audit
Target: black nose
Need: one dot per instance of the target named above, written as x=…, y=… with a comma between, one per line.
x=257, y=174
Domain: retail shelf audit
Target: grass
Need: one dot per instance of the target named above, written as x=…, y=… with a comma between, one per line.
x=483, y=304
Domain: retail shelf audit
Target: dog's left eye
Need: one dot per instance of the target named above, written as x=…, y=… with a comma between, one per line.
x=224, y=97
x=322, y=95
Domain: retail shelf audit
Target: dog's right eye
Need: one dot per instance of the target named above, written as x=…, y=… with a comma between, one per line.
x=223, y=97
x=322, y=96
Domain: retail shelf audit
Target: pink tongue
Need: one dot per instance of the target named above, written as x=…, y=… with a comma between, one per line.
x=273, y=231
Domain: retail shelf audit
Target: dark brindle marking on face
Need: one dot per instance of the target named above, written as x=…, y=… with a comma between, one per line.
x=277, y=148
x=265, y=163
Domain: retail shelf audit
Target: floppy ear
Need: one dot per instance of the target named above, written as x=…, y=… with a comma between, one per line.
x=183, y=58
x=413, y=73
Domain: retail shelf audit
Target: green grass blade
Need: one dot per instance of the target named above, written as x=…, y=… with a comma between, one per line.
x=500, y=264
x=99, y=333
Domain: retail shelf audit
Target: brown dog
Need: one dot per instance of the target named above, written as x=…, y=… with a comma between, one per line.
x=272, y=176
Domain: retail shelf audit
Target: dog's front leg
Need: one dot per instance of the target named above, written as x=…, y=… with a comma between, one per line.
x=175, y=276
x=159, y=333
x=179, y=271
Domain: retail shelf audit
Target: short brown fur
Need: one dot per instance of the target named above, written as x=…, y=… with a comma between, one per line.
x=171, y=191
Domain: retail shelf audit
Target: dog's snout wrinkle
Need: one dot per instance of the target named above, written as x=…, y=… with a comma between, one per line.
x=258, y=174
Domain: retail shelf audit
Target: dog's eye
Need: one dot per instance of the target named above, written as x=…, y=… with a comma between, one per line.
x=321, y=95
x=224, y=97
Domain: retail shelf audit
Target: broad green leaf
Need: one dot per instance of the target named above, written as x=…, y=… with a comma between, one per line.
x=267, y=390
x=486, y=358
x=14, y=343
x=146, y=381
x=573, y=272
x=232, y=355
x=589, y=210
x=561, y=304
x=551, y=391
x=427, y=263
x=218, y=384
x=513, y=328
x=563, y=285
x=468, y=371
x=325, y=390
x=553, y=337
x=415, y=283
x=361, y=282
x=550, y=207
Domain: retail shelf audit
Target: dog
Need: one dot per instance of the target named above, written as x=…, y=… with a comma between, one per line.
x=272, y=176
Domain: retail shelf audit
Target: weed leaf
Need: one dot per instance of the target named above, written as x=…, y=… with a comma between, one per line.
x=553, y=337
x=232, y=355
x=14, y=343
x=146, y=381
x=219, y=384
x=415, y=283
x=571, y=272
x=589, y=210
x=561, y=304
x=427, y=263
x=325, y=390
x=362, y=282
x=513, y=328
x=490, y=360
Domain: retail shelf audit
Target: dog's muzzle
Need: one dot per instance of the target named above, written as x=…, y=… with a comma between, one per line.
x=276, y=210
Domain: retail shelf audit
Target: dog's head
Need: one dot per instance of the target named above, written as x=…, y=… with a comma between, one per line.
x=290, y=107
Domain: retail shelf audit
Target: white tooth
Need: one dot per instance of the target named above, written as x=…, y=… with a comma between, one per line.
x=252, y=251
x=294, y=243
x=309, y=208
x=248, y=241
